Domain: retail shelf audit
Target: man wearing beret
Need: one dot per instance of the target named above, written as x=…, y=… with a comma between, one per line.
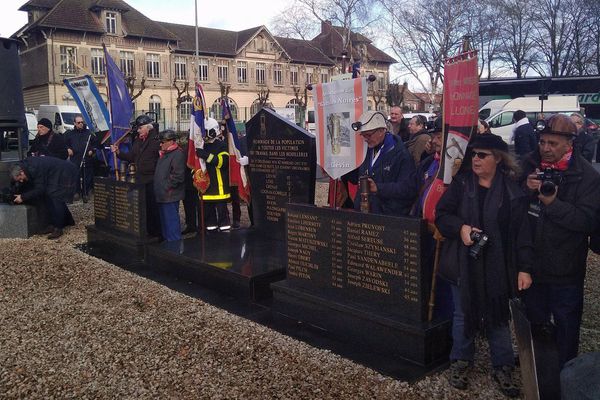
x=388, y=165
x=47, y=142
x=562, y=211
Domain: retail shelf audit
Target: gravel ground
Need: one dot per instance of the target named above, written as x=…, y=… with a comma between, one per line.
x=73, y=326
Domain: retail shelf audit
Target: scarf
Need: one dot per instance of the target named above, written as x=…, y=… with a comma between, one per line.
x=375, y=157
x=561, y=165
x=484, y=286
x=172, y=147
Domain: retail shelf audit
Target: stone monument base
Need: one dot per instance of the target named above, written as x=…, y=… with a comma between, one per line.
x=239, y=263
x=114, y=247
x=425, y=344
x=20, y=221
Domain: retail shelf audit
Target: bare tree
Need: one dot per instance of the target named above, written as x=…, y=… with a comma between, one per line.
x=584, y=35
x=423, y=34
x=183, y=94
x=130, y=83
x=517, y=47
x=485, y=31
x=395, y=94
x=553, y=37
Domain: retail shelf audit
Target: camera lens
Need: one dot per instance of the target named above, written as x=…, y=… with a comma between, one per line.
x=547, y=188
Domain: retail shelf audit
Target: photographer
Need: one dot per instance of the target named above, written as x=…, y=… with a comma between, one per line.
x=564, y=200
x=389, y=166
x=486, y=257
x=50, y=180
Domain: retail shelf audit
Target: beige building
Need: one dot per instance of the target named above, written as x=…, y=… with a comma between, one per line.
x=63, y=38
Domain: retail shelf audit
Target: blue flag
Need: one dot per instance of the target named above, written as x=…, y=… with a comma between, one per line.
x=121, y=106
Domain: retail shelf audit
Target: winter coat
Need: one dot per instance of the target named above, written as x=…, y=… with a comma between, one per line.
x=49, y=176
x=144, y=154
x=216, y=156
x=585, y=145
x=51, y=144
x=416, y=146
x=525, y=139
x=393, y=173
x=76, y=140
x=169, y=177
x=561, y=231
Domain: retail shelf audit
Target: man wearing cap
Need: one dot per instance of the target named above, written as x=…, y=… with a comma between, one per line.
x=562, y=211
x=169, y=187
x=389, y=166
x=48, y=143
x=144, y=154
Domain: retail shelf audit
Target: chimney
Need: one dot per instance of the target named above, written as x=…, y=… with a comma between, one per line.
x=325, y=27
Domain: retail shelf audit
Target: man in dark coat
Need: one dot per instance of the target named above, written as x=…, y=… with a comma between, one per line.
x=50, y=180
x=524, y=137
x=144, y=154
x=562, y=212
x=396, y=123
x=389, y=166
x=216, y=156
x=47, y=142
x=584, y=143
x=80, y=141
x=169, y=184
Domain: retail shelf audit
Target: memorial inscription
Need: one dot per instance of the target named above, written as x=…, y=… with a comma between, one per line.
x=282, y=169
x=120, y=206
x=369, y=258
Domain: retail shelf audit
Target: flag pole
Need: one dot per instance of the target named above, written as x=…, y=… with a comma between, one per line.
x=197, y=79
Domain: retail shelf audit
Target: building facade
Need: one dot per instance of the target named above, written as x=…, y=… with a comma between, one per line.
x=64, y=38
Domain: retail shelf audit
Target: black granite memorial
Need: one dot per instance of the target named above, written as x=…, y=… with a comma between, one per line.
x=282, y=169
x=119, y=230
x=362, y=278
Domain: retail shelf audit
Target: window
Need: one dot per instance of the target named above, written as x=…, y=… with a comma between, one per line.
x=242, y=72
x=180, y=72
x=111, y=22
x=324, y=76
x=506, y=118
x=153, y=65
x=185, y=110
x=68, y=55
x=260, y=73
x=223, y=71
x=309, y=75
x=217, y=109
x=381, y=81
x=203, y=71
x=97, y=62
x=294, y=76
x=127, y=63
x=277, y=74
x=154, y=106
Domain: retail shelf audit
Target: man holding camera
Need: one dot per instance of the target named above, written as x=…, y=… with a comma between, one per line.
x=388, y=168
x=564, y=192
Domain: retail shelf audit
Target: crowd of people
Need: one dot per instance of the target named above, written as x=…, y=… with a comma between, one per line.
x=513, y=223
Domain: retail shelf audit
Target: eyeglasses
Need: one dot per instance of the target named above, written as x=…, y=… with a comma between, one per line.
x=480, y=154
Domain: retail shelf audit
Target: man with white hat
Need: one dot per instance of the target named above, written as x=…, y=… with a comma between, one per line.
x=388, y=165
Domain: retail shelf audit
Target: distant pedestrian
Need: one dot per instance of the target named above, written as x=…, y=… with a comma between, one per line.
x=169, y=188
x=523, y=136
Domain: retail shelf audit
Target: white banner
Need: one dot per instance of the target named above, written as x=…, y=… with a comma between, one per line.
x=90, y=103
x=337, y=105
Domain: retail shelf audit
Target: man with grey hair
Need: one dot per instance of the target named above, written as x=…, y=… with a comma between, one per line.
x=49, y=180
x=388, y=165
x=584, y=143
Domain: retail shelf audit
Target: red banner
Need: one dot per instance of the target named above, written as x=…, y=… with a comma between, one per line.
x=461, y=104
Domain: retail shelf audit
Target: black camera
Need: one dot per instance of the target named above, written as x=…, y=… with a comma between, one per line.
x=550, y=178
x=480, y=239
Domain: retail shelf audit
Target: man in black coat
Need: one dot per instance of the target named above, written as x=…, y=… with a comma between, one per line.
x=524, y=137
x=50, y=180
x=47, y=142
x=562, y=211
x=144, y=154
x=389, y=166
x=584, y=143
x=80, y=141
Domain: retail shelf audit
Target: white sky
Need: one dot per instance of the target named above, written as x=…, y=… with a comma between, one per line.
x=230, y=15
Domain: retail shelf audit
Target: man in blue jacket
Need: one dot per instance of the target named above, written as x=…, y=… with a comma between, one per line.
x=389, y=166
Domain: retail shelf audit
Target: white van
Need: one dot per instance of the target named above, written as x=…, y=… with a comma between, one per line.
x=502, y=123
x=61, y=116
x=491, y=108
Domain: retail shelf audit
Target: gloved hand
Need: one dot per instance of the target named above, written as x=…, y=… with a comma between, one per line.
x=244, y=160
